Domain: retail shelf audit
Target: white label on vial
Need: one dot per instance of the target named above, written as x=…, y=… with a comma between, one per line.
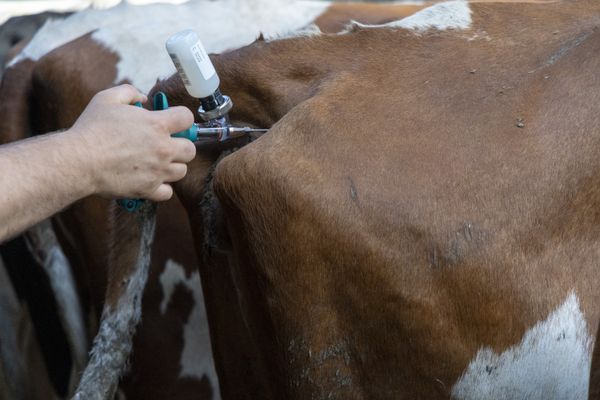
x=180, y=69
x=203, y=62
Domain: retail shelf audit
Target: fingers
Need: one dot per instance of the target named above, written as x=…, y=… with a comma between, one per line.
x=175, y=119
x=163, y=193
x=185, y=150
x=123, y=94
x=176, y=172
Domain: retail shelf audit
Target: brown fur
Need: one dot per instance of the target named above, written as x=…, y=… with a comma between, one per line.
x=15, y=89
x=595, y=372
x=395, y=219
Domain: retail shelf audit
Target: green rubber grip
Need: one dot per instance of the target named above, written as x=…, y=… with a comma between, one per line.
x=161, y=103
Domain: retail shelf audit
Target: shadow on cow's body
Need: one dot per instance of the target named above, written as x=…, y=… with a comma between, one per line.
x=420, y=221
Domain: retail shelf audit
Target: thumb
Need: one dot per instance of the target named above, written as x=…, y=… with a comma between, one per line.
x=175, y=119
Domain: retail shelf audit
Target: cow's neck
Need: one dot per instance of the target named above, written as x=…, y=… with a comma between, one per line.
x=267, y=79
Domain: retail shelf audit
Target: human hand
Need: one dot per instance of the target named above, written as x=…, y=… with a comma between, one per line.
x=128, y=151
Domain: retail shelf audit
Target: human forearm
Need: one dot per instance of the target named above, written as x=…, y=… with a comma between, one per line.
x=39, y=177
x=113, y=149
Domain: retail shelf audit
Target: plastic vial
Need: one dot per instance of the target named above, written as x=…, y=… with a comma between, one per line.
x=193, y=64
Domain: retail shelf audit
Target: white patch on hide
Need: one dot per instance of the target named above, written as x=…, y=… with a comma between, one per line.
x=441, y=16
x=196, y=356
x=138, y=33
x=172, y=275
x=311, y=30
x=551, y=362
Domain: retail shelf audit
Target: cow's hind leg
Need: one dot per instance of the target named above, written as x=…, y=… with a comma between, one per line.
x=128, y=271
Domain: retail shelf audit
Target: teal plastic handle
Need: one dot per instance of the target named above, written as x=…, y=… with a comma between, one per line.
x=190, y=134
x=159, y=103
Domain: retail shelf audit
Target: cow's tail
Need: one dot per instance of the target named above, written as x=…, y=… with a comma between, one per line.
x=129, y=265
x=16, y=96
x=46, y=250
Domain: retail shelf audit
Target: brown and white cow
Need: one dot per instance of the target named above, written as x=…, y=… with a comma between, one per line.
x=63, y=81
x=421, y=220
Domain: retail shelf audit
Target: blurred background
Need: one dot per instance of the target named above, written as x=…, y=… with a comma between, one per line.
x=20, y=19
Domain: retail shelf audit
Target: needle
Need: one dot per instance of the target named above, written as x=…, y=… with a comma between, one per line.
x=222, y=133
